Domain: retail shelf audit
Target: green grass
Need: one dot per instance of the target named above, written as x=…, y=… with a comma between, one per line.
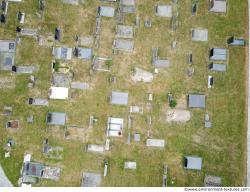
x=222, y=147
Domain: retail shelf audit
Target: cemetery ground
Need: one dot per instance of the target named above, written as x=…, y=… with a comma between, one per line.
x=222, y=147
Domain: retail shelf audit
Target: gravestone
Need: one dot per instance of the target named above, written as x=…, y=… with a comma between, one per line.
x=137, y=137
x=30, y=119
x=137, y=21
x=190, y=71
x=129, y=138
x=190, y=57
x=194, y=9
x=148, y=23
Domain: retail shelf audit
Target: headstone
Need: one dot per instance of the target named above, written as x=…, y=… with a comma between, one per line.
x=30, y=85
x=107, y=144
x=236, y=42
x=98, y=26
x=11, y=142
x=91, y=121
x=129, y=138
x=150, y=97
x=164, y=11
x=170, y=97
x=136, y=109
x=194, y=9
x=105, y=172
x=155, y=143
x=174, y=23
x=41, y=5
x=174, y=44
x=3, y=18
x=7, y=111
x=112, y=79
x=71, y=2
x=7, y=154
x=24, y=69
x=149, y=120
x=21, y=17
x=148, y=23
x=190, y=71
x=190, y=57
x=129, y=122
x=91, y=179
x=212, y=181
x=123, y=45
x=208, y=123
x=58, y=34
x=46, y=141
x=207, y=117
x=210, y=81
x=4, y=6
x=120, y=17
x=18, y=29
x=41, y=40
x=32, y=78
x=18, y=40
x=80, y=85
x=46, y=147
x=29, y=32
x=137, y=137
x=30, y=119
x=149, y=134
x=27, y=158
x=130, y=165
x=137, y=21
x=165, y=176
x=95, y=148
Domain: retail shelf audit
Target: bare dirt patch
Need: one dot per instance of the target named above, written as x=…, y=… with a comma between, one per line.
x=77, y=133
x=178, y=115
